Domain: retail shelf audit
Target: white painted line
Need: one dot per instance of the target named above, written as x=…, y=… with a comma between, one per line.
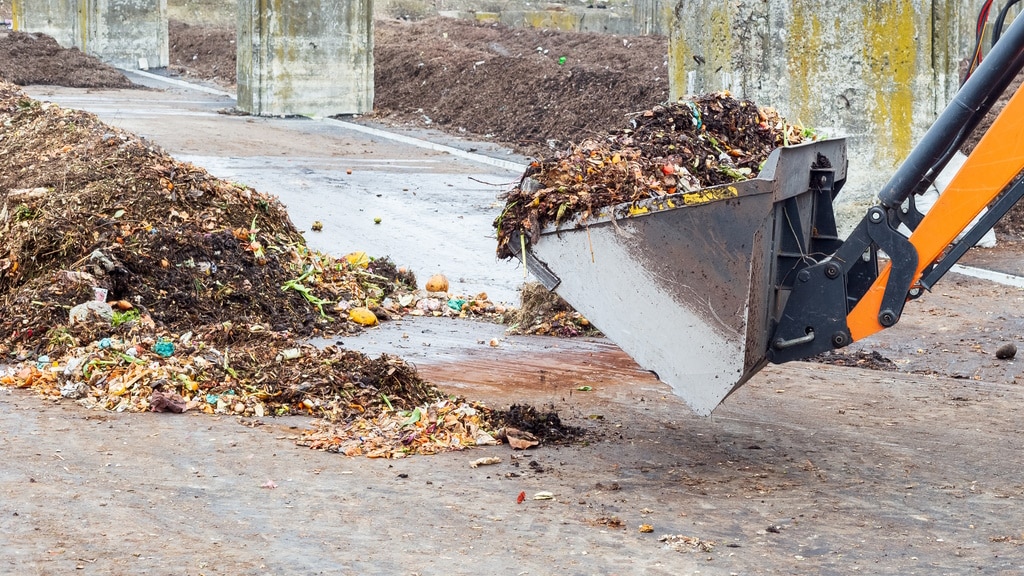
x=179, y=83
x=1001, y=278
x=479, y=158
x=473, y=157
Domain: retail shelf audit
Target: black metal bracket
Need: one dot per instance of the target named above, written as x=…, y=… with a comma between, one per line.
x=814, y=319
x=909, y=215
x=903, y=257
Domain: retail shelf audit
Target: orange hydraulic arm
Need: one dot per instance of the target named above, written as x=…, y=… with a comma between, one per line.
x=832, y=301
x=993, y=164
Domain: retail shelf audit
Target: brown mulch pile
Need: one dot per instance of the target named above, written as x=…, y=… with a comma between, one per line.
x=131, y=281
x=536, y=90
x=85, y=206
x=37, y=59
x=203, y=283
x=202, y=52
x=544, y=426
x=678, y=148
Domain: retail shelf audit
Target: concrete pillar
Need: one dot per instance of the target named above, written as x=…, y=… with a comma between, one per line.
x=119, y=32
x=875, y=71
x=305, y=57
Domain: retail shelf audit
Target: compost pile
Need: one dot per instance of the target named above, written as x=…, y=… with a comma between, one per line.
x=34, y=58
x=88, y=207
x=132, y=281
x=533, y=89
x=677, y=148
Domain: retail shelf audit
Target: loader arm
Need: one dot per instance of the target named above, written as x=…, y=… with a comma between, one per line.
x=990, y=170
x=825, y=309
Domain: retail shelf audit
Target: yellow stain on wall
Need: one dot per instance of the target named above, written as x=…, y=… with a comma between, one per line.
x=804, y=58
x=890, y=65
x=720, y=48
x=710, y=37
x=487, y=17
x=557, y=19
x=83, y=25
x=680, y=57
x=679, y=51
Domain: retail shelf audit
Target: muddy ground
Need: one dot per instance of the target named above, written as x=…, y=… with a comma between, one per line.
x=808, y=469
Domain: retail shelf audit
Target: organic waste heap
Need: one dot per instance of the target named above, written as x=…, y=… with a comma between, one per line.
x=132, y=281
x=676, y=148
x=35, y=58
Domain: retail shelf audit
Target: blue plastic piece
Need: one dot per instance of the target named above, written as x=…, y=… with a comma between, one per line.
x=165, y=348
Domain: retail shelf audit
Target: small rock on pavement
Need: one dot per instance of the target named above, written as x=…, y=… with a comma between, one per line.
x=1006, y=351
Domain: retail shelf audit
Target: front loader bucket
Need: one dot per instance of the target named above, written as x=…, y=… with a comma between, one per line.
x=688, y=284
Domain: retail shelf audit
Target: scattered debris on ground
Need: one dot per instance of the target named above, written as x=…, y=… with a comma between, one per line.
x=860, y=359
x=440, y=426
x=609, y=522
x=679, y=148
x=681, y=543
x=542, y=312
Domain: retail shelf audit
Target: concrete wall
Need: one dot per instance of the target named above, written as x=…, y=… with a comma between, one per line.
x=204, y=12
x=56, y=18
x=119, y=32
x=627, y=18
x=877, y=72
x=305, y=57
x=124, y=31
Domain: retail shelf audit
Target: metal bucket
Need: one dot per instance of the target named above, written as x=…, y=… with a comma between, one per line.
x=691, y=285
